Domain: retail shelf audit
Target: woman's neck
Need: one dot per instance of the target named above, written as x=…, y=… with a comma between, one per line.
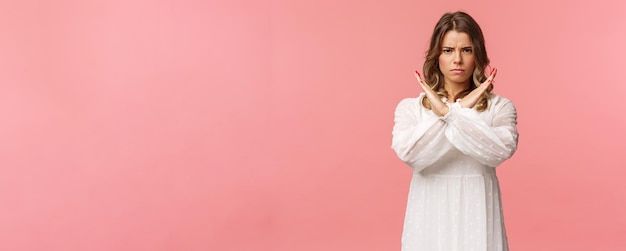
x=453, y=89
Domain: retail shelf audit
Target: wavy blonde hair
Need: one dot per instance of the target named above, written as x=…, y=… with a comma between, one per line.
x=460, y=22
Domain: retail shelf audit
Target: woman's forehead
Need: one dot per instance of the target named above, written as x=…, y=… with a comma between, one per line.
x=455, y=38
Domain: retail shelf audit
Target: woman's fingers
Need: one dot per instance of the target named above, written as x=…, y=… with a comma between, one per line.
x=437, y=104
x=422, y=83
x=418, y=76
x=430, y=93
x=492, y=75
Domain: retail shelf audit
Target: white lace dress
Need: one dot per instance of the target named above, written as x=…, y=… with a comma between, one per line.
x=454, y=198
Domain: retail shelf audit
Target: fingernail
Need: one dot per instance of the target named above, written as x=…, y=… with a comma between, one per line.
x=492, y=71
x=418, y=74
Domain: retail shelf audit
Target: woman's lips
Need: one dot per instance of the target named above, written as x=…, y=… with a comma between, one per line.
x=457, y=71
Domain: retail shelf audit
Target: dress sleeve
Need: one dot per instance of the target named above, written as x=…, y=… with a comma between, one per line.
x=489, y=144
x=418, y=139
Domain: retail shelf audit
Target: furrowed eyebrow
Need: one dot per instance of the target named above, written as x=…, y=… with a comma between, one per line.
x=452, y=47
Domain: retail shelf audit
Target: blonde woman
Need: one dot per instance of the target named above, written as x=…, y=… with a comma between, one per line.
x=453, y=136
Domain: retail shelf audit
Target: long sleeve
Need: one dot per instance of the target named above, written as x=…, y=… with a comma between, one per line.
x=489, y=144
x=418, y=135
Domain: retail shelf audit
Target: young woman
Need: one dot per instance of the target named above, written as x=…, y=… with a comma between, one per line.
x=453, y=136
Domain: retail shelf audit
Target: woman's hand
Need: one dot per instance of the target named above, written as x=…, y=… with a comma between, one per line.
x=472, y=98
x=437, y=106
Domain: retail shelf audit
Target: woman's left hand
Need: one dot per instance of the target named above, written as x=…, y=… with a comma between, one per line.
x=437, y=106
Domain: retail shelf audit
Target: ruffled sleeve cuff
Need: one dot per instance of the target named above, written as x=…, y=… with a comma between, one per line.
x=454, y=109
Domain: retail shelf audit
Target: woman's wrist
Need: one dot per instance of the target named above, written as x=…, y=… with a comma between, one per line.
x=441, y=109
x=465, y=104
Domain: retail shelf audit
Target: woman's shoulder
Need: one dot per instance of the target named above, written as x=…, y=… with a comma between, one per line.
x=411, y=101
x=498, y=101
x=495, y=98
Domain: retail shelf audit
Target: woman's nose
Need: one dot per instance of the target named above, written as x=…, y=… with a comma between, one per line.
x=457, y=58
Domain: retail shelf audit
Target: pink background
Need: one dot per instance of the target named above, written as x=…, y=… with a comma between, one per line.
x=256, y=125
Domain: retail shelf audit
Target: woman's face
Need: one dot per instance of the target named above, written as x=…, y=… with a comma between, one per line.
x=456, y=61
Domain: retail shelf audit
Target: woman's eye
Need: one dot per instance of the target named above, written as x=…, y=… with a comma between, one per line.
x=467, y=50
x=447, y=50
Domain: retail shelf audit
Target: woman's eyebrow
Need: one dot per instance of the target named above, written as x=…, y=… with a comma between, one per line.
x=463, y=47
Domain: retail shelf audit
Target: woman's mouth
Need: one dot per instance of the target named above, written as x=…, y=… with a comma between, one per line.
x=457, y=71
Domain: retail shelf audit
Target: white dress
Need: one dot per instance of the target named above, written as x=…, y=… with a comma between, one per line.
x=454, y=198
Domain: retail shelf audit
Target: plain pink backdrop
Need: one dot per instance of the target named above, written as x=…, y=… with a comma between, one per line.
x=266, y=125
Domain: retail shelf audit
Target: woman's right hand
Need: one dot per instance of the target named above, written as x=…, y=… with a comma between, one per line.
x=472, y=98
